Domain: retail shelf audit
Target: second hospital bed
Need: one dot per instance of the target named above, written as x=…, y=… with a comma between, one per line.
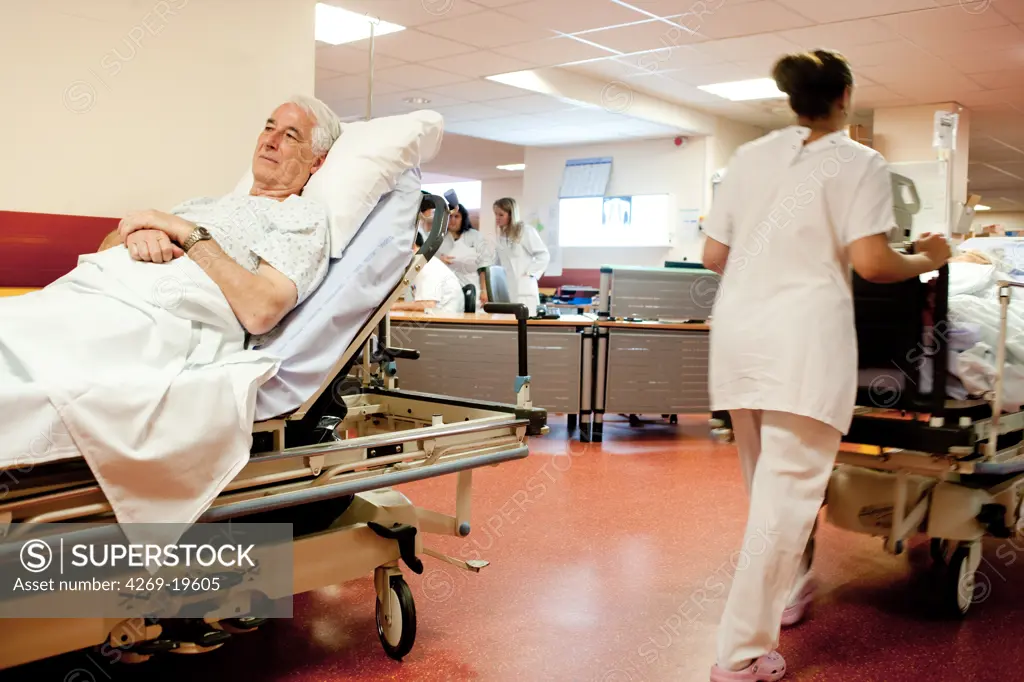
x=331, y=438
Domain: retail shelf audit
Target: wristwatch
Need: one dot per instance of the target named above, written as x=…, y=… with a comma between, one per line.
x=199, y=234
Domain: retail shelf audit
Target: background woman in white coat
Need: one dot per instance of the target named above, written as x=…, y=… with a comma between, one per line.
x=521, y=253
x=464, y=250
x=795, y=210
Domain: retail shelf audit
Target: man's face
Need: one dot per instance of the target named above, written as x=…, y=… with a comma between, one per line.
x=284, y=159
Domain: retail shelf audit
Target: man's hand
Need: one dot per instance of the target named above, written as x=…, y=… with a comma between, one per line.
x=152, y=246
x=934, y=247
x=178, y=229
x=447, y=260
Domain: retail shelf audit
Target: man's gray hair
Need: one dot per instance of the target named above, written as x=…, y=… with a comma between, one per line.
x=327, y=128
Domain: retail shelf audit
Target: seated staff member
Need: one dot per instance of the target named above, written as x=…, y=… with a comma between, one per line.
x=521, y=253
x=436, y=287
x=464, y=250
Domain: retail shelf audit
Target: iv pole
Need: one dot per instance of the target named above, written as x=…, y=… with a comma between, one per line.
x=369, y=95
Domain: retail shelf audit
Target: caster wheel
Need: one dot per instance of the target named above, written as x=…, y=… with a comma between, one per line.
x=673, y=419
x=962, y=587
x=634, y=421
x=398, y=635
x=899, y=547
x=939, y=550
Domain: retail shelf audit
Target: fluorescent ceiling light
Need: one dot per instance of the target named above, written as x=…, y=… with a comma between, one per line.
x=336, y=26
x=740, y=91
x=513, y=167
x=982, y=207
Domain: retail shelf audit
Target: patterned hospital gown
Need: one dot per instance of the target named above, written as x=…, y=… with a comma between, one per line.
x=291, y=236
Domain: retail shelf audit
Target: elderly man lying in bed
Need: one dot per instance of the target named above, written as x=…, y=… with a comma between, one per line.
x=137, y=360
x=266, y=251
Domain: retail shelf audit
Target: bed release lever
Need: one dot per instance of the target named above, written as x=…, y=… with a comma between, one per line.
x=405, y=535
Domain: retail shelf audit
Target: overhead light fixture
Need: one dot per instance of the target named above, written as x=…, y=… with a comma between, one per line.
x=513, y=167
x=742, y=91
x=982, y=207
x=416, y=100
x=337, y=26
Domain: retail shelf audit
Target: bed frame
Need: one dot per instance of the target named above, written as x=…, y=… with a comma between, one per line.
x=328, y=469
x=916, y=463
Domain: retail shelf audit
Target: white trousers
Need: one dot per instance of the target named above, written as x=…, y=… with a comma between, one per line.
x=787, y=460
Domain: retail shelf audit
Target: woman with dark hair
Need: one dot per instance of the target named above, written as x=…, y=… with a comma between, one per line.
x=464, y=250
x=796, y=209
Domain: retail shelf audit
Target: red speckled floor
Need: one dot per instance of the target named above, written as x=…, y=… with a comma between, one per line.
x=609, y=563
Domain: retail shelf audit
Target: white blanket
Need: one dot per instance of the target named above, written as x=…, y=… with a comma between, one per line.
x=141, y=369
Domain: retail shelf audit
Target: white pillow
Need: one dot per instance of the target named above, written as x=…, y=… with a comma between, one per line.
x=364, y=164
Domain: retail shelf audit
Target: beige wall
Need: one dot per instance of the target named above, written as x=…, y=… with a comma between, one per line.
x=1005, y=219
x=127, y=104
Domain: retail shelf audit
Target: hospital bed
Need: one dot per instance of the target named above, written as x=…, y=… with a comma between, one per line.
x=916, y=462
x=332, y=436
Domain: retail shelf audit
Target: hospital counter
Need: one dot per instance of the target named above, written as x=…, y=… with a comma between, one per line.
x=475, y=355
x=649, y=368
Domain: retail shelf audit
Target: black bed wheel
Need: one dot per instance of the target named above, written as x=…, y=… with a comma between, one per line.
x=397, y=637
x=939, y=550
x=960, y=589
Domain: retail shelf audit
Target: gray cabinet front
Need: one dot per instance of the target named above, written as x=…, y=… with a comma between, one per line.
x=657, y=372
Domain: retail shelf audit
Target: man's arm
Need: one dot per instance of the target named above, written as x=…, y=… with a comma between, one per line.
x=260, y=301
x=110, y=241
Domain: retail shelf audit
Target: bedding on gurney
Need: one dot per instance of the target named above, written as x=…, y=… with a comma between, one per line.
x=324, y=439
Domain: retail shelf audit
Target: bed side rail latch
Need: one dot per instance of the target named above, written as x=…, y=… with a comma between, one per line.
x=405, y=536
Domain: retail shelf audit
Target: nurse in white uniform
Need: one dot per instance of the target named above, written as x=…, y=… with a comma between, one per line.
x=464, y=250
x=521, y=254
x=795, y=210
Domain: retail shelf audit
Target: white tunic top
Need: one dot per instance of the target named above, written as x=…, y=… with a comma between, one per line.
x=471, y=252
x=524, y=262
x=437, y=283
x=782, y=330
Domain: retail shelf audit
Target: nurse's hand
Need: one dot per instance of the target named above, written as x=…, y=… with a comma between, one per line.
x=447, y=260
x=934, y=247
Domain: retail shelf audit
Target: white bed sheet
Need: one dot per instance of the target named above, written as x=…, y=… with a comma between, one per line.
x=313, y=337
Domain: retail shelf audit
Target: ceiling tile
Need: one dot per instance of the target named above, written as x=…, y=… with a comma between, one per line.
x=416, y=46
x=840, y=10
x=488, y=29
x=987, y=61
x=553, y=51
x=396, y=101
x=987, y=97
x=1000, y=79
x=469, y=112
x=479, y=64
x=877, y=96
x=729, y=21
x=349, y=60
x=1011, y=9
x=477, y=91
x=530, y=104
x=927, y=25
x=648, y=35
x=714, y=73
x=496, y=3
x=674, y=8
x=977, y=41
x=661, y=61
x=605, y=68
x=350, y=87
x=408, y=13
x=571, y=17
x=917, y=73
x=747, y=48
x=841, y=35
x=894, y=52
x=418, y=76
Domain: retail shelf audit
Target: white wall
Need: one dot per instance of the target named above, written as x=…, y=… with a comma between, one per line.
x=1005, y=219
x=118, y=105
x=640, y=167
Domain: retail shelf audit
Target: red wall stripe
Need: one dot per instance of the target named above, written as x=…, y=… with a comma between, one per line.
x=38, y=248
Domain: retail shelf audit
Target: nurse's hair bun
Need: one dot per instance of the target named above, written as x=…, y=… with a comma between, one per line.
x=814, y=81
